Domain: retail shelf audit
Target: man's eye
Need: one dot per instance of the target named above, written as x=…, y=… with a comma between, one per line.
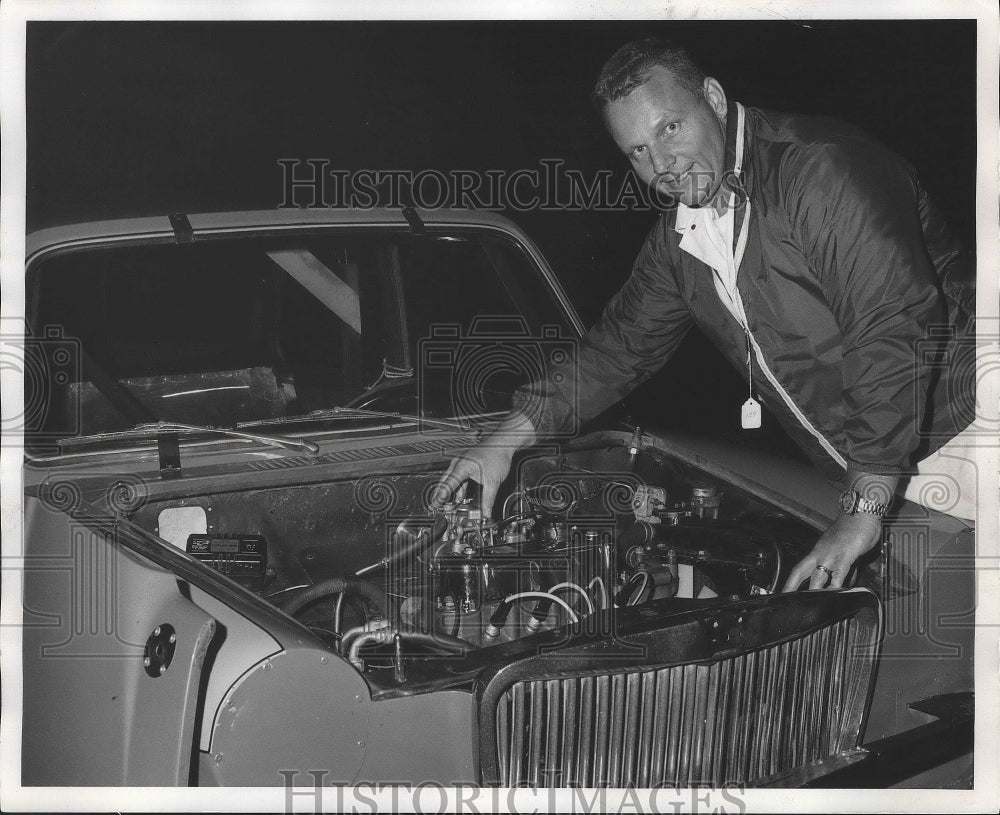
x=671, y=128
x=636, y=152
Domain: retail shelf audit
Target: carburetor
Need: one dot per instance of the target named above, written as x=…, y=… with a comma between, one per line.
x=477, y=568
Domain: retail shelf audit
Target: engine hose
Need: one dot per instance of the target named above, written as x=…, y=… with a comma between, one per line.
x=539, y=613
x=499, y=618
x=604, y=591
x=626, y=596
x=635, y=598
x=444, y=642
x=404, y=550
x=578, y=589
x=336, y=585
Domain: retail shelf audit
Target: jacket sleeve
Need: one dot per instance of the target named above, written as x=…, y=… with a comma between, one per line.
x=855, y=207
x=639, y=329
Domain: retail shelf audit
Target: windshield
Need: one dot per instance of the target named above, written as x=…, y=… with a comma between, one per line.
x=235, y=330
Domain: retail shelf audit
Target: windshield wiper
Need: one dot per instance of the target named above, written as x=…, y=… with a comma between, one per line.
x=149, y=428
x=362, y=413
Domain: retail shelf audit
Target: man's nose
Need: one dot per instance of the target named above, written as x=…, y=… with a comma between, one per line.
x=663, y=161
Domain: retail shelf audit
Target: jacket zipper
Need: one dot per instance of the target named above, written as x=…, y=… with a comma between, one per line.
x=741, y=245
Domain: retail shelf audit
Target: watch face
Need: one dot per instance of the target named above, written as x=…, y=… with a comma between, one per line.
x=848, y=500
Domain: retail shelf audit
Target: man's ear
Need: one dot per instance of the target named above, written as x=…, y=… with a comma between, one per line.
x=715, y=96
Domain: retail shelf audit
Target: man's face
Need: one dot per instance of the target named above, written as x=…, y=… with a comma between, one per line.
x=674, y=139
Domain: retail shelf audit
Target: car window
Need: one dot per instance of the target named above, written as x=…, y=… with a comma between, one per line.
x=226, y=330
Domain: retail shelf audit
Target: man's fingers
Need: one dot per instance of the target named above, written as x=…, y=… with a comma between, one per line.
x=489, y=493
x=453, y=478
x=818, y=579
x=487, y=467
x=796, y=578
x=829, y=578
x=452, y=485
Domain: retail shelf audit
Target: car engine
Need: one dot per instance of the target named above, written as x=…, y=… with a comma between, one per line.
x=580, y=538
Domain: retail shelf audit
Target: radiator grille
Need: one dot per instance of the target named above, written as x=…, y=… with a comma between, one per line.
x=735, y=720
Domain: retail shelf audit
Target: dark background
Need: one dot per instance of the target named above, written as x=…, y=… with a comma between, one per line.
x=149, y=118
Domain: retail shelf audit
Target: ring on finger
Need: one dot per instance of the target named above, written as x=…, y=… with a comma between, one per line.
x=824, y=569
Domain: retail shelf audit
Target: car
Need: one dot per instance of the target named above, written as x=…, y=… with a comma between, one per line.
x=234, y=423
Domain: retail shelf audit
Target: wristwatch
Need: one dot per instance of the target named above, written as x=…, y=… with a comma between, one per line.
x=851, y=503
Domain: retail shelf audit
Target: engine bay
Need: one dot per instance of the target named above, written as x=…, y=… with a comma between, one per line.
x=581, y=538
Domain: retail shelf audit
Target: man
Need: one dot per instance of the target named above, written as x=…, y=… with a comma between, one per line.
x=812, y=257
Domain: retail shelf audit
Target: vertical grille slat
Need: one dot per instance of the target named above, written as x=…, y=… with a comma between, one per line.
x=776, y=751
x=814, y=689
x=517, y=734
x=675, y=709
x=721, y=738
x=709, y=736
x=758, y=713
x=658, y=766
x=688, y=726
x=567, y=775
x=826, y=681
x=852, y=665
x=616, y=726
x=782, y=720
x=843, y=655
x=770, y=714
x=748, y=719
x=807, y=699
x=554, y=735
x=503, y=742
x=734, y=720
x=647, y=728
x=630, y=769
x=737, y=731
x=586, y=722
x=536, y=732
x=837, y=656
x=699, y=725
x=601, y=731
x=796, y=671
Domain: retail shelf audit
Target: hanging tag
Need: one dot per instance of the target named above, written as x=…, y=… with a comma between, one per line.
x=750, y=415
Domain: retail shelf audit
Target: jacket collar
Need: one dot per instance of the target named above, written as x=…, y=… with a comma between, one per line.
x=733, y=163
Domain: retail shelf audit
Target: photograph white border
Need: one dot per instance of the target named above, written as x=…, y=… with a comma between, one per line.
x=13, y=17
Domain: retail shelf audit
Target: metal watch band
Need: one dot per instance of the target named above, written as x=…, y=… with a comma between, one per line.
x=870, y=507
x=851, y=503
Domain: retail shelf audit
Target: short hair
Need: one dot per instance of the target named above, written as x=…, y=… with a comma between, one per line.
x=629, y=67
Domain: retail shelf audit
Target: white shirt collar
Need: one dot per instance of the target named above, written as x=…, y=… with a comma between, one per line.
x=691, y=216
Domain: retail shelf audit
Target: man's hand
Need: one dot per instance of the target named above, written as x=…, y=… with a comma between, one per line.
x=847, y=539
x=488, y=463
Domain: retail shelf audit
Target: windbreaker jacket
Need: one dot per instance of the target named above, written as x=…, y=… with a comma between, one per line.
x=858, y=299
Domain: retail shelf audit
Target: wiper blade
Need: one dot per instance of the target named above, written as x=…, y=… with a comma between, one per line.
x=149, y=428
x=362, y=413
x=275, y=441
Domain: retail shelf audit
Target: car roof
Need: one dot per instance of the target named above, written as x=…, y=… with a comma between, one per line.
x=124, y=228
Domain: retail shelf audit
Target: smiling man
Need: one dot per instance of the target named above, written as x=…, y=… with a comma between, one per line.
x=811, y=255
x=672, y=130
